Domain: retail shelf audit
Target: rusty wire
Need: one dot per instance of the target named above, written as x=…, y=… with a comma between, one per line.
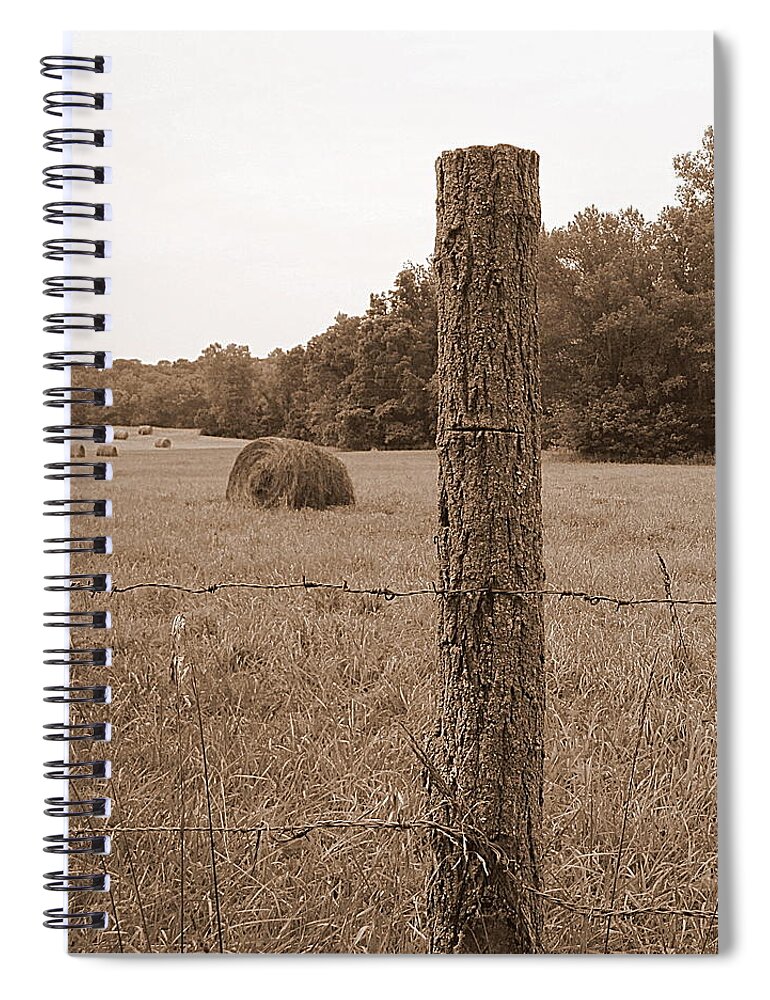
x=288, y=833
x=389, y=594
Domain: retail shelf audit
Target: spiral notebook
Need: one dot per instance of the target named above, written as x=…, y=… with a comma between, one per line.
x=384, y=567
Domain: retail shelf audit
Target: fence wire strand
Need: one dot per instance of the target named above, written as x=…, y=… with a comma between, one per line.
x=288, y=833
x=389, y=594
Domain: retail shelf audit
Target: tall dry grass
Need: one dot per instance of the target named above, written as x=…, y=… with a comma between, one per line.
x=292, y=708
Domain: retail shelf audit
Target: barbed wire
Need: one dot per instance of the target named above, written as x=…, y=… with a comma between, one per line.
x=470, y=839
x=389, y=594
x=291, y=832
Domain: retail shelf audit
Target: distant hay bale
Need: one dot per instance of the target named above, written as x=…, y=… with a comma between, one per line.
x=79, y=451
x=144, y=430
x=120, y=435
x=163, y=442
x=278, y=472
x=106, y=451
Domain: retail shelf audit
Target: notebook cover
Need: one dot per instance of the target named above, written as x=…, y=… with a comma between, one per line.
x=280, y=778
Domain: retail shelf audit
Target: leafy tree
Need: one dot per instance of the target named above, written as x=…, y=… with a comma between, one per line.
x=627, y=331
x=685, y=235
x=627, y=312
x=228, y=379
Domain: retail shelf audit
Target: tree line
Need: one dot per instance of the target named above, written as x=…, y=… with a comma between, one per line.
x=627, y=334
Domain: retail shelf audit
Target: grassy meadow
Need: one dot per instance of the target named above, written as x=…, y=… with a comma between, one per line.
x=298, y=706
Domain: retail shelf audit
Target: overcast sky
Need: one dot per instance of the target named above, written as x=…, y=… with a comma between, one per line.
x=264, y=182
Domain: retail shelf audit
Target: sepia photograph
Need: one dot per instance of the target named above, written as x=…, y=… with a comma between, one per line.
x=412, y=483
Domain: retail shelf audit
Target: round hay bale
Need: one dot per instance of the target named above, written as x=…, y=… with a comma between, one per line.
x=79, y=451
x=120, y=435
x=106, y=451
x=144, y=430
x=163, y=442
x=283, y=472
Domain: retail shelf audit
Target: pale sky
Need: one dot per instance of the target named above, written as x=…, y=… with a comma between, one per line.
x=264, y=182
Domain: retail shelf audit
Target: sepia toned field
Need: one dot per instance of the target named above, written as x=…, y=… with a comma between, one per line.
x=299, y=709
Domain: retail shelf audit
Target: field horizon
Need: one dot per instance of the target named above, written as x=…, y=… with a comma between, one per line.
x=194, y=437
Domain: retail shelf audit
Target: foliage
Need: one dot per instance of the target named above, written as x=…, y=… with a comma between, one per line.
x=627, y=326
x=627, y=316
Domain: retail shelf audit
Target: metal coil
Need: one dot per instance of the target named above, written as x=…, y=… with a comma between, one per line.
x=92, y=583
x=54, y=66
x=68, y=395
x=94, y=656
x=77, y=619
x=69, y=284
x=56, y=101
x=78, y=731
x=97, y=808
x=89, y=920
x=57, y=211
x=59, y=361
x=56, y=139
x=90, y=322
x=78, y=770
x=93, y=433
x=71, y=882
x=56, y=175
x=78, y=508
x=77, y=843
x=100, y=545
x=99, y=471
x=59, y=249
x=78, y=694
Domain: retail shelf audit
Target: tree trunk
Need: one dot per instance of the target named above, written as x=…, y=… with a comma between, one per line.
x=486, y=770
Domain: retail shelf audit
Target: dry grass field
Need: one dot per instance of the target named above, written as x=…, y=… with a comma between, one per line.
x=298, y=707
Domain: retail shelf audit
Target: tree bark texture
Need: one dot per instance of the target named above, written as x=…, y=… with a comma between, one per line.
x=486, y=759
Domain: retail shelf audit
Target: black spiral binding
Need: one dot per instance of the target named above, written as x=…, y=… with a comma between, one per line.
x=60, y=284
x=59, y=249
x=58, y=211
x=89, y=322
x=57, y=175
x=69, y=177
x=53, y=66
x=57, y=138
x=57, y=100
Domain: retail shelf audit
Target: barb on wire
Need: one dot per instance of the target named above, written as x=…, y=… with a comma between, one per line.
x=287, y=833
x=417, y=591
x=294, y=831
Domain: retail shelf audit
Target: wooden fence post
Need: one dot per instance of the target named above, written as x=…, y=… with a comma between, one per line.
x=486, y=774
